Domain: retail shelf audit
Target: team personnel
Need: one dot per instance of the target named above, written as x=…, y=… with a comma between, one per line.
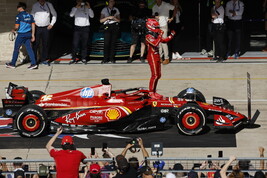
x=25, y=27
x=234, y=11
x=161, y=9
x=217, y=14
x=42, y=12
x=153, y=38
x=82, y=11
x=67, y=160
x=110, y=17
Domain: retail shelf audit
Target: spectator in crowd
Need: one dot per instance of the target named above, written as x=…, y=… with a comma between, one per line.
x=236, y=171
x=146, y=172
x=161, y=10
x=110, y=17
x=25, y=27
x=68, y=159
x=3, y=167
x=176, y=25
x=217, y=14
x=234, y=11
x=124, y=170
x=177, y=167
x=45, y=17
x=81, y=13
x=153, y=38
x=18, y=171
x=138, y=29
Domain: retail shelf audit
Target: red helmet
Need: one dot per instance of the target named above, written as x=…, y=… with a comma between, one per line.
x=152, y=25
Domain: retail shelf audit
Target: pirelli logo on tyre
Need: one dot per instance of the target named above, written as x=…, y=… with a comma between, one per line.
x=113, y=114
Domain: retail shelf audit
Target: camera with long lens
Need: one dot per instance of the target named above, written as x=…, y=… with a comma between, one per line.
x=135, y=144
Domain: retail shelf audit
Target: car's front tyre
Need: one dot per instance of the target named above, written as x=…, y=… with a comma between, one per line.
x=31, y=121
x=190, y=119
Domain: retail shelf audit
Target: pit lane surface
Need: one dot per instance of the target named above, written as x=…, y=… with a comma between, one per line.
x=226, y=80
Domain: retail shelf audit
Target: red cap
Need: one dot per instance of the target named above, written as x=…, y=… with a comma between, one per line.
x=94, y=169
x=67, y=139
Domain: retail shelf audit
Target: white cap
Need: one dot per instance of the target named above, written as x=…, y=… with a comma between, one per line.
x=170, y=175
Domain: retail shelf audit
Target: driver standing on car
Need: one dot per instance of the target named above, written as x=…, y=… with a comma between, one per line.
x=153, y=38
x=67, y=160
x=110, y=17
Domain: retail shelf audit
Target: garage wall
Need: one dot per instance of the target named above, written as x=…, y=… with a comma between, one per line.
x=8, y=11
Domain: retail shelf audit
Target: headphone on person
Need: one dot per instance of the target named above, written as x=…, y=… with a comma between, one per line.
x=221, y=2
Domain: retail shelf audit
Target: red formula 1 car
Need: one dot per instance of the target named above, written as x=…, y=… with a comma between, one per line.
x=100, y=109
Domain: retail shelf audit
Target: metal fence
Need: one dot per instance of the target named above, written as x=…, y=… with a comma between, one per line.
x=253, y=164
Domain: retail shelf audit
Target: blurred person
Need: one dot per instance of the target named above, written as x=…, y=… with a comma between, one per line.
x=68, y=159
x=177, y=167
x=45, y=17
x=218, y=27
x=161, y=10
x=153, y=38
x=124, y=170
x=146, y=172
x=110, y=17
x=236, y=173
x=18, y=171
x=81, y=13
x=177, y=26
x=138, y=29
x=234, y=11
x=25, y=27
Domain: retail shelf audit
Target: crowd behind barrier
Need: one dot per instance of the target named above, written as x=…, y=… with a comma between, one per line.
x=189, y=164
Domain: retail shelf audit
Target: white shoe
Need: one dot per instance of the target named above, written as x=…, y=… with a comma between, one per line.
x=174, y=57
x=203, y=52
x=210, y=53
x=178, y=56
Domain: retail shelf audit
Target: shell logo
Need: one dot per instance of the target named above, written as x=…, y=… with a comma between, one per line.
x=113, y=114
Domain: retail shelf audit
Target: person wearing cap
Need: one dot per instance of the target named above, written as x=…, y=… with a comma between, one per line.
x=68, y=159
x=124, y=170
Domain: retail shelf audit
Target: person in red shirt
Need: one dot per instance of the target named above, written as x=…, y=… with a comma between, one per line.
x=68, y=159
x=153, y=38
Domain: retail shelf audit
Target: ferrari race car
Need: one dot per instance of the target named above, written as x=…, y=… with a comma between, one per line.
x=100, y=109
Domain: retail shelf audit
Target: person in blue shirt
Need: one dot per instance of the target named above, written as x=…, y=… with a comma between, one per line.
x=25, y=27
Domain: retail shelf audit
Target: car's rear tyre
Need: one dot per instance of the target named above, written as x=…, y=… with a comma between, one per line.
x=31, y=121
x=194, y=95
x=190, y=119
x=36, y=94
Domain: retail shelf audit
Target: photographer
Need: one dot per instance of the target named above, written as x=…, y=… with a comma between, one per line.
x=110, y=17
x=138, y=29
x=81, y=12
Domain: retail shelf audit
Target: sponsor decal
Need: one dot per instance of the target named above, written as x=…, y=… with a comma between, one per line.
x=220, y=121
x=115, y=100
x=162, y=120
x=52, y=104
x=97, y=111
x=113, y=114
x=72, y=120
x=154, y=103
x=9, y=112
x=165, y=104
x=217, y=101
x=96, y=118
x=46, y=97
x=146, y=128
x=164, y=110
x=190, y=90
x=87, y=93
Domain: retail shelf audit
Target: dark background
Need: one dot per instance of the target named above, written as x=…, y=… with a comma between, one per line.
x=195, y=16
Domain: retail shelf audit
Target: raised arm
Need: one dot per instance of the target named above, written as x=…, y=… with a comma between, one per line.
x=223, y=171
x=49, y=144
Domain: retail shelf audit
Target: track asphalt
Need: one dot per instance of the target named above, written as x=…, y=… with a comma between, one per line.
x=227, y=80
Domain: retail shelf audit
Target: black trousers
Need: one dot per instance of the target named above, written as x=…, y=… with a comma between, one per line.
x=234, y=35
x=80, y=41
x=218, y=35
x=41, y=36
x=110, y=37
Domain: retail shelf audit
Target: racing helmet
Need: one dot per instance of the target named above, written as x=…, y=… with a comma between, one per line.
x=152, y=25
